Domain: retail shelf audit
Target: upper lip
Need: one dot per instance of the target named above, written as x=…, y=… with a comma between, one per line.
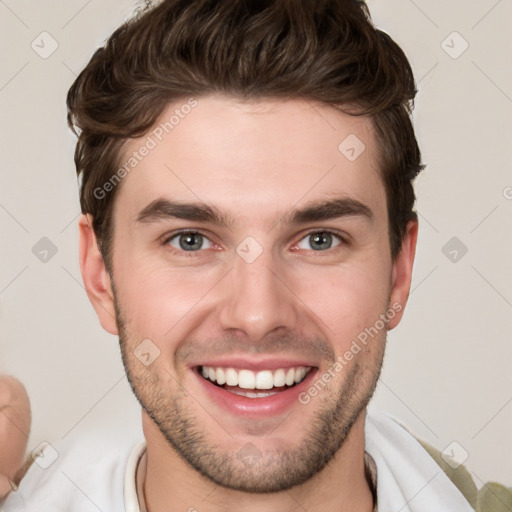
x=242, y=363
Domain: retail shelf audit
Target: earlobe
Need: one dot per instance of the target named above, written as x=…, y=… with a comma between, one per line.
x=402, y=272
x=95, y=276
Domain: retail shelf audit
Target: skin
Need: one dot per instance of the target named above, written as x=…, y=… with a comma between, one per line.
x=255, y=162
x=15, y=420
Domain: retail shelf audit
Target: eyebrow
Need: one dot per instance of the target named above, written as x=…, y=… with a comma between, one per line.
x=331, y=209
x=163, y=209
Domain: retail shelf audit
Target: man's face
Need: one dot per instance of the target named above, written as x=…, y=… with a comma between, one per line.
x=247, y=244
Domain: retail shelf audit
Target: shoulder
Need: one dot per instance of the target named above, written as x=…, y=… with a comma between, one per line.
x=74, y=474
x=457, y=473
x=408, y=473
x=490, y=498
x=388, y=438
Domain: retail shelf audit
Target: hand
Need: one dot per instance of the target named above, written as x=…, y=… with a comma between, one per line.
x=15, y=421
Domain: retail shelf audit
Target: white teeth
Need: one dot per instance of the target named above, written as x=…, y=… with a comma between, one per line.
x=300, y=374
x=264, y=380
x=251, y=394
x=290, y=377
x=220, y=376
x=247, y=379
x=279, y=378
x=231, y=377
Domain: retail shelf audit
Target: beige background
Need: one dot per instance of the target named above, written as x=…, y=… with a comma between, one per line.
x=447, y=373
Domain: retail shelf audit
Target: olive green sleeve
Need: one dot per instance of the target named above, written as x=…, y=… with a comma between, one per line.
x=460, y=476
x=492, y=497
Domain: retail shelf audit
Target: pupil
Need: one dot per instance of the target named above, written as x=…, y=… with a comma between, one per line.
x=321, y=241
x=191, y=241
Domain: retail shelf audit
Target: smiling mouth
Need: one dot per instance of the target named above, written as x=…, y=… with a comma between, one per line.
x=252, y=384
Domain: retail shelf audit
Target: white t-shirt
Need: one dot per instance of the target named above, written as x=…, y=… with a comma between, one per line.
x=98, y=474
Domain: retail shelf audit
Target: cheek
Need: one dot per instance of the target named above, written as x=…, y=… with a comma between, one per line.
x=347, y=299
x=156, y=297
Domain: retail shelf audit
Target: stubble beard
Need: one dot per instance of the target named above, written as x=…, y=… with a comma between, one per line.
x=270, y=472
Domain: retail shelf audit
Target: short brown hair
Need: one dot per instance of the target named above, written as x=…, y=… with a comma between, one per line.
x=323, y=50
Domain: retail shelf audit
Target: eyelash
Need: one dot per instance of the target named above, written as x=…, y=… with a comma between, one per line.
x=344, y=241
x=187, y=254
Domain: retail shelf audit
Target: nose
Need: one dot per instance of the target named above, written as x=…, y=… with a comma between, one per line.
x=257, y=300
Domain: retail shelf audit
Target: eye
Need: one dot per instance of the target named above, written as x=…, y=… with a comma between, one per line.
x=319, y=241
x=189, y=241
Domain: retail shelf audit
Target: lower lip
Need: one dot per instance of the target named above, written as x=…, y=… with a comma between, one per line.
x=256, y=407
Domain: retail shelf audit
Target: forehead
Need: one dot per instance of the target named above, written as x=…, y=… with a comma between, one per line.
x=251, y=157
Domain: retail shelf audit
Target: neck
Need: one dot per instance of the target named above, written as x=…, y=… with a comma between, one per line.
x=169, y=482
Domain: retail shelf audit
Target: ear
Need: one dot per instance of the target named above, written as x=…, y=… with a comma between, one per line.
x=402, y=272
x=95, y=276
